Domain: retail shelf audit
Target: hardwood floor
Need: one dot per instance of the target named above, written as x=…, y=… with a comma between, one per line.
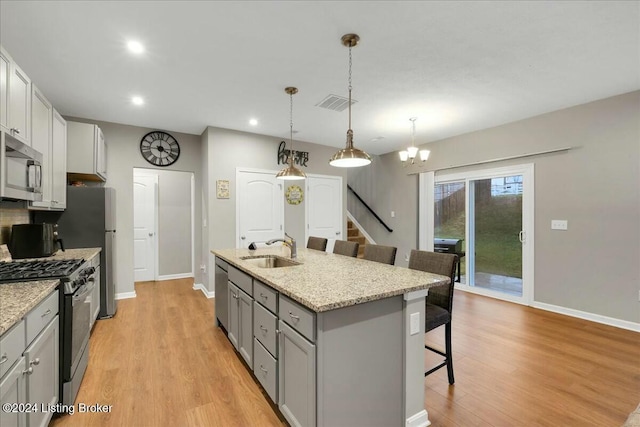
x=162, y=362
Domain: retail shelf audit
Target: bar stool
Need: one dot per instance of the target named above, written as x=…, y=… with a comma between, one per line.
x=380, y=253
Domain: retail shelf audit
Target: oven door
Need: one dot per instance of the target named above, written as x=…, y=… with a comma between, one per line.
x=78, y=308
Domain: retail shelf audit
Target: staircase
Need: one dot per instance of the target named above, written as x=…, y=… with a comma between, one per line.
x=354, y=235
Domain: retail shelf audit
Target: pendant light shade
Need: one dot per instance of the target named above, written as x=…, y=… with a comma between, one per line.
x=350, y=157
x=291, y=172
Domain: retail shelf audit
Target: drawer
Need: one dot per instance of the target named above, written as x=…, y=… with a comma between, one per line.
x=300, y=318
x=265, y=295
x=11, y=346
x=222, y=263
x=264, y=327
x=265, y=370
x=241, y=280
x=40, y=316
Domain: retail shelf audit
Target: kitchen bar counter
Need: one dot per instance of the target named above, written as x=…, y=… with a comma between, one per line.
x=17, y=299
x=326, y=281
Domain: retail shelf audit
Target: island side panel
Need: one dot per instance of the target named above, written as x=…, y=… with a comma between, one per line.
x=360, y=364
x=415, y=414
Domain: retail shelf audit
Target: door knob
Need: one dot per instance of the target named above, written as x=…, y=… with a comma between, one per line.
x=150, y=234
x=337, y=233
x=243, y=237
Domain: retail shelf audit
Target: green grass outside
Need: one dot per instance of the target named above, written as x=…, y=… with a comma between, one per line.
x=498, y=222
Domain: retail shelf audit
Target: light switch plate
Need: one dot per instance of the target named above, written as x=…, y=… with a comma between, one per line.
x=415, y=324
x=559, y=224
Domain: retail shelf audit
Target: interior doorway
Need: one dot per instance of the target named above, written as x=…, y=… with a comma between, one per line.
x=323, y=211
x=163, y=224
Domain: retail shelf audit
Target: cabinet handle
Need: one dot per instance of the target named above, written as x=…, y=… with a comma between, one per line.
x=15, y=130
x=294, y=316
x=264, y=329
x=264, y=296
x=46, y=313
x=28, y=371
x=35, y=362
x=234, y=295
x=4, y=358
x=263, y=370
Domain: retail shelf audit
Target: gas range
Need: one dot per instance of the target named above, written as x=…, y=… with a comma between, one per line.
x=70, y=272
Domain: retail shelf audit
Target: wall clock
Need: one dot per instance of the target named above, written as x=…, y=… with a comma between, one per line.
x=159, y=148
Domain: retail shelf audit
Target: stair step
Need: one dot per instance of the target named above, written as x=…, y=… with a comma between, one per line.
x=353, y=232
x=360, y=239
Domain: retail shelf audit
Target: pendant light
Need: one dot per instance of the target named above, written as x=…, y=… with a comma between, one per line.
x=350, y=157
x=291, y=172
x=411, y=152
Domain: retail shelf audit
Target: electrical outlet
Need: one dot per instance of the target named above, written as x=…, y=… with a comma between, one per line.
x=638, y=295
x=415, y=323
x=406, y=257
x=393, y=214
x=559, y=224
x=203, y=268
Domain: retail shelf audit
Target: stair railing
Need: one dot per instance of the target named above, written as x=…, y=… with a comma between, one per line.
x=369, y=209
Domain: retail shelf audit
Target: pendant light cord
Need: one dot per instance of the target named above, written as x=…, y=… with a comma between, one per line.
x=291, y=129
x=350, y=86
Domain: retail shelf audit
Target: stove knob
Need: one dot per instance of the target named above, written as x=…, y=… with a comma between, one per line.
x=79, y=282
x=91, y=270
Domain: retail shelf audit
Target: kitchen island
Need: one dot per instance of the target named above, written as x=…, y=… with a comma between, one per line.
x=333, y=340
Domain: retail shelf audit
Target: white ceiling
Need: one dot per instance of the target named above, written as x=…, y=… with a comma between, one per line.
x=457, y=66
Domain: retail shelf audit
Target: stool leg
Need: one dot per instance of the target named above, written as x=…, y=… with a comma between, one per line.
x=447, y=334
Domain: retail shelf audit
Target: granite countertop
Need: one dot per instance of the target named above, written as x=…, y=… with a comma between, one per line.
x=17, y=299
x=80, y=253
x=326, y=281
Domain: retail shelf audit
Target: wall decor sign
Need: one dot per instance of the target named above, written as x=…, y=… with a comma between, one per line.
x=222, y=189
x=299, y=157
x=294, y=195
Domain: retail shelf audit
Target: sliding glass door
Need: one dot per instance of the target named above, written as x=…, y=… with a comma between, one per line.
x=487, y=218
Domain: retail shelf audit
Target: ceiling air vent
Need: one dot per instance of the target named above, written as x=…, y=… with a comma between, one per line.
x=335, y=103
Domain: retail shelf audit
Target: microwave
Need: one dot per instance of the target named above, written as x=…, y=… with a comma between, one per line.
x=20, y=170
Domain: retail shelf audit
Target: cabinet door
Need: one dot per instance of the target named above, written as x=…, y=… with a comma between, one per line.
x=4, y=89
x=59, y=162
x=234, y=314
x=19, y=112
x=101, y=154
x=41, y=359
x=13, y=391
x=297, y=377
x=41, y=132
x=245, y=339
x=222, y=299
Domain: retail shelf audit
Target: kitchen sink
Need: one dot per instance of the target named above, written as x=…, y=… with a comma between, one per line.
x=270, y=261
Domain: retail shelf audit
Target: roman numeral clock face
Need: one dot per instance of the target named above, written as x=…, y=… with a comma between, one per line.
x=159, y=148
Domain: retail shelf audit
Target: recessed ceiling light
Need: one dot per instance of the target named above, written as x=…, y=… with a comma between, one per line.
x=137, y=100
x=253, y=122
x=135, y=47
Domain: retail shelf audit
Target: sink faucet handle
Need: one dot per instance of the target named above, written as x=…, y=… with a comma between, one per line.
x=285, y=233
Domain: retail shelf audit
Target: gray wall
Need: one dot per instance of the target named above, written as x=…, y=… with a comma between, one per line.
x=123, y=155
x=228, y=149
x=593, y=266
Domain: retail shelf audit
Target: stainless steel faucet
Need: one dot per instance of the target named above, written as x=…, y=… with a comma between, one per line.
x=291, y=243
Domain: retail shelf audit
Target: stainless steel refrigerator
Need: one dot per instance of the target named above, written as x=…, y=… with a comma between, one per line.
x=89, y=221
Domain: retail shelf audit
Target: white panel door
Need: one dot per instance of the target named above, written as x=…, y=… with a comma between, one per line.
x=260, y=206
x=144, y=226
x=324, y=208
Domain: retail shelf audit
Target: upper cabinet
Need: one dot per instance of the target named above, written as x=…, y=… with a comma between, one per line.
x=41, y=133
x=15, y=99
x=86, y=152
x=59, y=162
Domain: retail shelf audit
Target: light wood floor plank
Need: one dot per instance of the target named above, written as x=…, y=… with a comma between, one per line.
x=162, y=362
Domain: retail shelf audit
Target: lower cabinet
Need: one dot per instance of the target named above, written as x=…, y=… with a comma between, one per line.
x=41, y=362
x=297, y=377
x=29, y=384
x=240, y=331
x=13, y=391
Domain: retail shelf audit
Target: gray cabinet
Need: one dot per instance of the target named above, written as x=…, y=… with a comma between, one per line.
x=59, y=162
x=297, y=377
x=31, y=376
x=13, y=391
x=221, y=292
x=86, y=152
x=42, y=372
x=245, y=338
x=41, y=133
x=233, y=302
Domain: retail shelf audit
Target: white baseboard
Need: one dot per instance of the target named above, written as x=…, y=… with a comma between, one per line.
x=421, y=419
x=174, y=276
x=126, y=295
x=207, y=293
x=618, y=323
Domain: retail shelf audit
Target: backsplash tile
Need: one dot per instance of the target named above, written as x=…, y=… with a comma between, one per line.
x=8, y=217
